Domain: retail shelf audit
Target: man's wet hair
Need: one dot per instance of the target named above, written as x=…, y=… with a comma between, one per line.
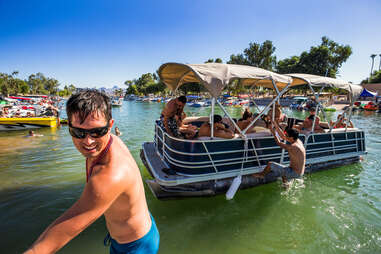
x=217, y=118
x=247, y=114
x=292, y=133
x=86, y=102
x=183, y=99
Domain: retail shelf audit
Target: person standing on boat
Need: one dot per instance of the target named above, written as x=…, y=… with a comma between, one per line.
x=296, y=152
x=114, y=185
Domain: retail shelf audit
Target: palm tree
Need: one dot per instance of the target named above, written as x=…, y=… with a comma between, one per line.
x=371, y=69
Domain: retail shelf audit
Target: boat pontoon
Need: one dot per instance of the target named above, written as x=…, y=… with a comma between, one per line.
x=208, y=166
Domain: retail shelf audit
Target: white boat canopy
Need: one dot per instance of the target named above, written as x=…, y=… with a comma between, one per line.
x=319, y=81
x=216, y=76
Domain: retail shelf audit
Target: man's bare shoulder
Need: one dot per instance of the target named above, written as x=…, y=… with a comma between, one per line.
x=298, y=145
x=119, y=167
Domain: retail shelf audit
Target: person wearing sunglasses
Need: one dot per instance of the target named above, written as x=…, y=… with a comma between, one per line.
x=114, y=185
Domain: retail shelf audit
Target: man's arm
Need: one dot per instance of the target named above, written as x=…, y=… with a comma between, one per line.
x=281, y=144
x=279, y=130
x=98, y=195
x=166, y=126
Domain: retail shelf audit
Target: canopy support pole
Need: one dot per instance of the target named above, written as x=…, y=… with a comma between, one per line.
x=266, y=108
x=231, y=119
x=212, y=119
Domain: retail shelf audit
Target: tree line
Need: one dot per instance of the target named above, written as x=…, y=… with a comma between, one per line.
x=374, y=78
x=324, y=59
x=35, y=84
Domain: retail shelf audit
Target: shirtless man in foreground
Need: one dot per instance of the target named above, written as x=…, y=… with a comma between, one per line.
x=114, y=185
x=296, y=152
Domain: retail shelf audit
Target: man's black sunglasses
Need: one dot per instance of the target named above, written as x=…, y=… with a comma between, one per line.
x=82, y=133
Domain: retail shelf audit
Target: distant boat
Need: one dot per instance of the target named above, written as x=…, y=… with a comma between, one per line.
x=117, y=102
x=371, y=106
x=298, y=102
x=198, y=104
x=22, y=123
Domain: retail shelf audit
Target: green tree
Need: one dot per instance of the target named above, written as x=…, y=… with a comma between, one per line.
x=146, y=84
x=36, y=83
x=258, y=55
x=22, y=86
x=9, y=84
x=51, y=85
x=4, y=87
x=192, y=88
x=132, y=89
x=375, y=78
x=325, y=59
x=118, y=92
x=211, y=60
x=71, y=89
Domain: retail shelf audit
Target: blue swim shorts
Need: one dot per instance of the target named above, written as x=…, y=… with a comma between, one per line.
x=284, y=170
x=148, y=244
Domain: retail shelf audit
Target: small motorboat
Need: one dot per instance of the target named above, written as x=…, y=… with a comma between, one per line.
x=371, y=106
x=198, y=104
x=117, y=102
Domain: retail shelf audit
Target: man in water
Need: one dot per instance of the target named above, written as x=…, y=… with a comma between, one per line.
x=170, y=116
x=117, y=132
x=114, y=185
x=32, y=134
x=296, y=152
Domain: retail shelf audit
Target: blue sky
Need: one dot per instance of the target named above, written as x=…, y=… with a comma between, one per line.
x=104, y=43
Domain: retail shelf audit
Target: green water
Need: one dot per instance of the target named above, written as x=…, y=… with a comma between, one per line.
x=335, y=211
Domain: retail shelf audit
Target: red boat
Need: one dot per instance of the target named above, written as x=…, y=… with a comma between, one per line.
x=371, y=106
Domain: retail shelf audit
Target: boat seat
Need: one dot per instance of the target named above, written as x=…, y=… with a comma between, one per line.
x=217, y=138
x=259, y=134
x=342, y=130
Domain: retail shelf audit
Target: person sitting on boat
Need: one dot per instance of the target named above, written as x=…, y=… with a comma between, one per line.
x=279, y=116
x=168, y=119
x=219, y=129
x=306, y=126
x=188, y=130
x=246, y=119
x=340, y=122
x=296, y=152
x=5, y=112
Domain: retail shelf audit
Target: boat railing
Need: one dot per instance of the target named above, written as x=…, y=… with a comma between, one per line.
x=218, y=155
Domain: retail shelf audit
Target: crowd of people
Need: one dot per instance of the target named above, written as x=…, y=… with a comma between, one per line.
x=31, y=108
x=173, y=115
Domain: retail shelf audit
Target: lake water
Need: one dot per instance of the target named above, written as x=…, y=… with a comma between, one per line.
x=333, y=211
